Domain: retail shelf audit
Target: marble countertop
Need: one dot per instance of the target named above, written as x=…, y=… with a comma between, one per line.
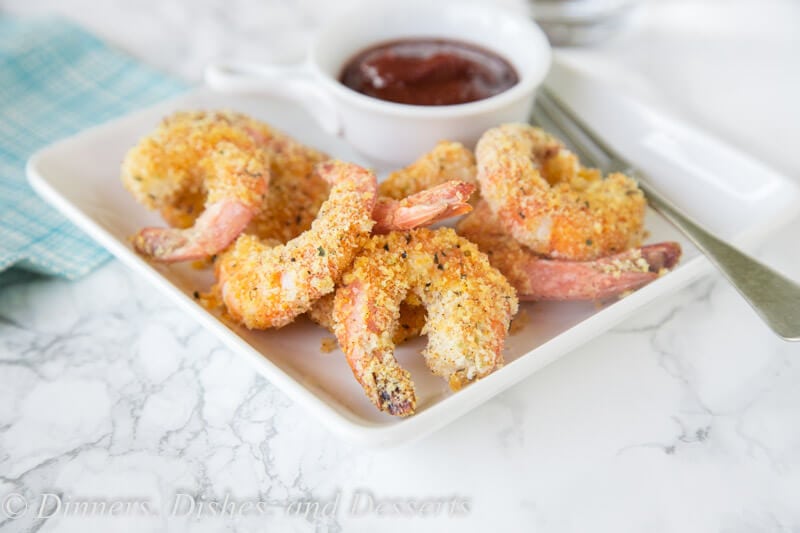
x=682, y=419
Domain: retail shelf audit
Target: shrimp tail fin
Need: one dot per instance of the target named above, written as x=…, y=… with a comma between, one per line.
x=213, y=231
x=394, y=391
x=161, y=244
x=662, y=256
x=600, y=279
x=423, y=208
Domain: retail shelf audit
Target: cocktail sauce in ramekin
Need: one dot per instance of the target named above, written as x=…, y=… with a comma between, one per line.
x=428, y=72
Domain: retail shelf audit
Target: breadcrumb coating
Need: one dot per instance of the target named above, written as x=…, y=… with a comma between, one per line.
x=171, y=166
x=447, y=161
x=551, y=204
x=296, y=192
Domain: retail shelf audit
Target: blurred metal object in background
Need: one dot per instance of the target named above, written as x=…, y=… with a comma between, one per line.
x=581, y=22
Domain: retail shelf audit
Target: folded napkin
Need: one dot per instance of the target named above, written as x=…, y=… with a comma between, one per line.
x=55, y=80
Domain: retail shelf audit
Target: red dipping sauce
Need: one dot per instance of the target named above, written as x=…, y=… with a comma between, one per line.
x=428, y=72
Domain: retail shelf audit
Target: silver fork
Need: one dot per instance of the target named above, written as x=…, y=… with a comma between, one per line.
x=774, y=297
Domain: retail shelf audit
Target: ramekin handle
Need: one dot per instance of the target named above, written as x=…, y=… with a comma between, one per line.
x=293, y=82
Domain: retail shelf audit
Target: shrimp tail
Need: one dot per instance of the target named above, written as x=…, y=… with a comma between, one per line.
x=213, y=231
x=600, y=279
x=423, y=208
x=662, y=256
x=539, y=278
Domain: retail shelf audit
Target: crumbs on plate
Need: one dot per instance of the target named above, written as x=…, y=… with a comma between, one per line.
x=328, y=344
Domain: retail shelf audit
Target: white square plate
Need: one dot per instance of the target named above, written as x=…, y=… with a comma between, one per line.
x=729, y=192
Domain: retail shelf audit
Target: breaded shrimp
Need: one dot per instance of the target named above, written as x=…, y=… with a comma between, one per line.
x=189, y=157
x=552, y=205
x=537, y=278
x=447, y=161
x=263, y=286
x=469, y=307
x=236, y=182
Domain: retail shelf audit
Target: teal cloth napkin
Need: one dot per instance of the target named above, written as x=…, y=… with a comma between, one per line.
x=55, y=80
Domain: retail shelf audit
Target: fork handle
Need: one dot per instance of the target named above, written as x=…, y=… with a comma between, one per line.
x=773, y=296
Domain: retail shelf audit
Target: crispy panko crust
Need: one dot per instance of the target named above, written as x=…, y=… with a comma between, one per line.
x=538, y=278
x=548, y=202
x=447, y=161
x=296, y=192
x=170, y=166
x=266, y=286
x=182, y=211
x=469, y=307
